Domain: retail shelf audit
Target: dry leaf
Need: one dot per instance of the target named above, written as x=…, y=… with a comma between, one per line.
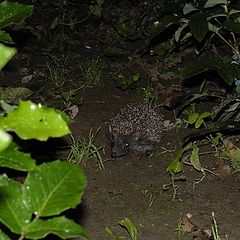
x=222, y=170
x=186, y=224
x=202, y=235
x=72, y=111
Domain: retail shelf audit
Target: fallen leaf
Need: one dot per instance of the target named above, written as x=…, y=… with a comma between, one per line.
x=186, y=224
x=222, y=170
x=72, y=111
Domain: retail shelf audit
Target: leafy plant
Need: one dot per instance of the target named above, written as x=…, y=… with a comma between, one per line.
x=31, y=209
x=59, y=75
x=82, y=150
x=70, y=98
x=146, y=94
x=198, y=118
x=203, y=24
x=125, y=82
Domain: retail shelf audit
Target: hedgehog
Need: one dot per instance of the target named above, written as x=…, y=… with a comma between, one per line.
x=137, y=129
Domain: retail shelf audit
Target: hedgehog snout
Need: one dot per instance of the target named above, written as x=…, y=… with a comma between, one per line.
x=119, y=146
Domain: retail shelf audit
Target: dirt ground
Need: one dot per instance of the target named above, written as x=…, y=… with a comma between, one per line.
x=133, y=187
x=129, y=187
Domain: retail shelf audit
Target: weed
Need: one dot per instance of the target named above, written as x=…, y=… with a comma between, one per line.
x=92, y=71
x=215, y=228
x=128, y=225
x=125, y=82
x=82, y=150
x=56, y=74
x=59, y=76
x=70, y=98
x=96, y=9
x=146, y=94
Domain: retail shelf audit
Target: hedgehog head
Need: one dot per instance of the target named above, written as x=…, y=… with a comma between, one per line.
x=122, y=145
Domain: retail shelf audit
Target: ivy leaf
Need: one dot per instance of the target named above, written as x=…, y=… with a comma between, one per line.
x=54, y=187
x=31, y=121
x=199, y=25
x=60, y=226
x=11, y=157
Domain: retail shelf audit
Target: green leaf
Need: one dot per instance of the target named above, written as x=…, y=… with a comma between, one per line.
x=3, y=236
x=13, y=158
x=11, y=12
x=5, y=37
x=198, y=123
x=226, y=70
x=233, y=11
x=6, y=53
x=130, y=226
x=188, y=8
x=126, y=30
x=175, y=166
x=11, y=94
x=54, y=187
x=32, y=121
x=232, y=26
x=213, y=28
x=192, y=118
x=212, y=3
x=5, y=140
x=177, y=34
x=199, y=25
x=162, y=24
x=60, y=226
x=204, y=115
x=13, y=210
x=194, y=159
